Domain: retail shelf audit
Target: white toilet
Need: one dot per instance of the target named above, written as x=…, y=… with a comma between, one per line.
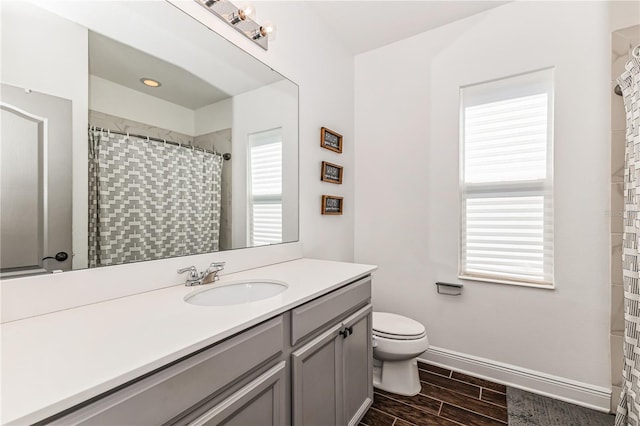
x=397, y=341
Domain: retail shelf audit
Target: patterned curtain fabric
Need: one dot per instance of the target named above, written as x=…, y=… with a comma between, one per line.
x=149, y=200
x=628, y=412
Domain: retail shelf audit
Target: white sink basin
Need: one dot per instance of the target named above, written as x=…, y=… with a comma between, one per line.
x=235, y=293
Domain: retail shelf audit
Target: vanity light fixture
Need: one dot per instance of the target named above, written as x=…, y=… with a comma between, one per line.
x=242, y=19
x=150, y=82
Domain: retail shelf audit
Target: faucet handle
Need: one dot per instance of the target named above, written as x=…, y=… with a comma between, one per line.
x=194, y=277
x=211, y=274
x=192, y=269
x=217, y=265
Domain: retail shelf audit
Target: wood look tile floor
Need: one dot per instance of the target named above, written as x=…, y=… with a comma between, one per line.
x=447, y=398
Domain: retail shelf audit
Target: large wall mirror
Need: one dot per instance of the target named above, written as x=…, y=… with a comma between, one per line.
x=132, y=132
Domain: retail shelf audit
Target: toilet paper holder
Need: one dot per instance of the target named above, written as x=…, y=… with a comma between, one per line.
x=449, y=289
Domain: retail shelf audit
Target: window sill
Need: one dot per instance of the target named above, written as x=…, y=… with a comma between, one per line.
x=549, y=286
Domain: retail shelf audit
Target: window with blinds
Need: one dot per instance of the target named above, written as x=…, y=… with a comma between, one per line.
x=507, y=180
x=265, y=178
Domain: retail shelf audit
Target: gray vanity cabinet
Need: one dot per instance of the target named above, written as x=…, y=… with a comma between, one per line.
x=332, y=377
x=309, y=366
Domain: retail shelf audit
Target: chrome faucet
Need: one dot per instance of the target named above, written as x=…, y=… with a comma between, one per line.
x=209, y=276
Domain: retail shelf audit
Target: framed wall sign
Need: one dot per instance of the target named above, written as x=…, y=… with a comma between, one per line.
x=331, y=205
x=331, y=173
x=331, y=140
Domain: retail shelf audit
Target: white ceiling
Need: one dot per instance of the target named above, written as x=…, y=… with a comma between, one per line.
x=125, y=65
x=367, y=25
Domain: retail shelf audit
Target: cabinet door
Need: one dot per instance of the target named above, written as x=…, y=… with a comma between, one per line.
x=317, y=380
x=261, y=403
x=357, y=365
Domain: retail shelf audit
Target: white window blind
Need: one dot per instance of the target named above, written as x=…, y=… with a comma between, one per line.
x=507, y=180
x=265, y=202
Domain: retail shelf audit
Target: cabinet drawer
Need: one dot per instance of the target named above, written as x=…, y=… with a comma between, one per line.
x=313, y=315
x=260, y=403
x=167, y=393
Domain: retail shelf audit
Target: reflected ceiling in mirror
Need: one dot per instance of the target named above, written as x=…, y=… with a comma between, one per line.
x=114, y=170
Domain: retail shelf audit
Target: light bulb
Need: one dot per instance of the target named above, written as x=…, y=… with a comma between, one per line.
x=268, y=29
x=245, y=12
x=248, y=10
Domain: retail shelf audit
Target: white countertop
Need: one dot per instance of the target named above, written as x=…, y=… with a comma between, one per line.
x=55, y=361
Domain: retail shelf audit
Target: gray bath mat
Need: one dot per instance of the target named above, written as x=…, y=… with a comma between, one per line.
x=528, y=409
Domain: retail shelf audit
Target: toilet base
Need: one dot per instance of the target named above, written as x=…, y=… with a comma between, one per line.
x=399, y=377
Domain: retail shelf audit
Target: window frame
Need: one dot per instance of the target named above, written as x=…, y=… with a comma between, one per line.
x=510, y=87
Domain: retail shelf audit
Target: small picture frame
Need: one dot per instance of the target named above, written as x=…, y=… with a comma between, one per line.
x=331, y=140
x=331, y=205
x=331, y=173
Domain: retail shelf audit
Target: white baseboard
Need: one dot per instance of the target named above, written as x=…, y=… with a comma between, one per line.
x=583, y=394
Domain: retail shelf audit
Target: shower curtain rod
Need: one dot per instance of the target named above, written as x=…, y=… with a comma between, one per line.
x=225, y=156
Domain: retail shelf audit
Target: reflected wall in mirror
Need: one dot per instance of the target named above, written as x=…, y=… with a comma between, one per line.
x=132, y=132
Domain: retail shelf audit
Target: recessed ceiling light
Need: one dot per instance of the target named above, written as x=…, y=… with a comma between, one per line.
x=150, y=82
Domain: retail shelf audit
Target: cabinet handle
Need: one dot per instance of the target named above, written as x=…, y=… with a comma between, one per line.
x=348, y=331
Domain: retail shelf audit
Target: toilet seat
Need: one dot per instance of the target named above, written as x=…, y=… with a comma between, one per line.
x=396, y=327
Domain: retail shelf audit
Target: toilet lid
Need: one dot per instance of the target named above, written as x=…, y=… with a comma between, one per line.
x=394, y=326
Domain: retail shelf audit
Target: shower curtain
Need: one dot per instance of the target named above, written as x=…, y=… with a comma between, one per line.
x=628, y=412
x=150, y=200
